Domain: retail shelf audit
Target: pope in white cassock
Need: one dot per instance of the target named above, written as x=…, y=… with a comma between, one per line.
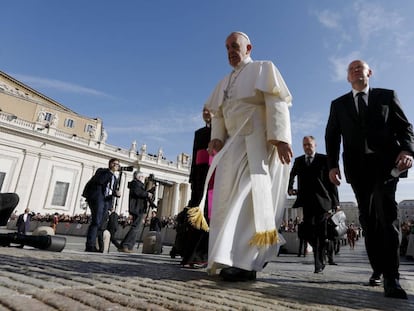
x=251, y=133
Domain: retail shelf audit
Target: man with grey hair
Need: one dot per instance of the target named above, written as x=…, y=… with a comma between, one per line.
x=251, y=133
x=138, y=197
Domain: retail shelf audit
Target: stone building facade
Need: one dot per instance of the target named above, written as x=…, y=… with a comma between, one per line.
x=48, y=153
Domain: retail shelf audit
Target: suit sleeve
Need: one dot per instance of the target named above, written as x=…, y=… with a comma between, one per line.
x=331, y=188
x=403, y=128
x=193, y=159
x=333, y=138
x=293, y=173
x=102, y=176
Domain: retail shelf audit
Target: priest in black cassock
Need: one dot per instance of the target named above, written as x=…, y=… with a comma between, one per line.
x=192, y=243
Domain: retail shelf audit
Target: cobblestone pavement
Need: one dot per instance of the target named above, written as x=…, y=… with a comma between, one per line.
x=31, y=279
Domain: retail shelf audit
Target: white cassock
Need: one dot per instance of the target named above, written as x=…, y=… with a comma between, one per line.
x=250, y=107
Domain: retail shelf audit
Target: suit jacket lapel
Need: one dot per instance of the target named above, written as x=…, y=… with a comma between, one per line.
x=371, y=100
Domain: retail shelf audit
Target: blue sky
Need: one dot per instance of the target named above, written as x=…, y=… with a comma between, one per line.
x=147, y=67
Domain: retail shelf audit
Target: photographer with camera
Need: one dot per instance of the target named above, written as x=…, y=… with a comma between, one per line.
x=99, y=192
x=138, y=198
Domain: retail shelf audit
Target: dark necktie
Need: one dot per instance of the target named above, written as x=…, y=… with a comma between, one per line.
x=308, y=160
x=362, y=108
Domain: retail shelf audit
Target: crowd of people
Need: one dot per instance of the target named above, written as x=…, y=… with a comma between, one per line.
x=123, y=220
x=407, y=229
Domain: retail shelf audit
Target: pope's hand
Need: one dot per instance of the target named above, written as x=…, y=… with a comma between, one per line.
x=214, y=146
x=284, y=151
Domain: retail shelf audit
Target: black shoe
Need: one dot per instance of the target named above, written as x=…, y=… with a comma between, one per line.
x=233, y=274
x=375, y=279
x=91, y=249
x=319, y=269
x=332, y=263
x=392, y=289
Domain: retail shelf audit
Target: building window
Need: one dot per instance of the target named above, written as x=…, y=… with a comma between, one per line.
x=89, y=128
x=69, y=123
x=48, y=116
x=60, y=194
x=2, y=177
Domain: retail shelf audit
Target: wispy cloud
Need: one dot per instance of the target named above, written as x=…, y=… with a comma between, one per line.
x=306, y=124
x=37, y=82
x=173, y=122
x=374, y=21
x=334, y=22
x=329, y=19
x=365, y=28
x=402, y=45
x=340, y=65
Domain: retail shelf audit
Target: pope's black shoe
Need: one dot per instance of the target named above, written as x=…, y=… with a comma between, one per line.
x=392, y=289
x=233, y=274
x=375, y=279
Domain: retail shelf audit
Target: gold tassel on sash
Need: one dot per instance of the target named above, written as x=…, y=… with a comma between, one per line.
x=265, y=238
x=196, y=218
x=195, y=215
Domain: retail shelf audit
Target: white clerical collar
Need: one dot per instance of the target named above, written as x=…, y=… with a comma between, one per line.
x=243, y=63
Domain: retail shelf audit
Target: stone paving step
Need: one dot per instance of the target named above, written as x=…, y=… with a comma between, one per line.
x=32, y=279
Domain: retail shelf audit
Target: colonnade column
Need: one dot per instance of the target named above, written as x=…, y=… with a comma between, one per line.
x=175, y=200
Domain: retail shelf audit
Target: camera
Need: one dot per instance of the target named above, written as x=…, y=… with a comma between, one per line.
x=126, y=168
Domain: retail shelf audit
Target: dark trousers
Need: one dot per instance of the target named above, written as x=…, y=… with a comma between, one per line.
x=330, y=246
x=132, y=235
x=99, y=207
x=302, y=247
x=378, y=215
x=318, y=239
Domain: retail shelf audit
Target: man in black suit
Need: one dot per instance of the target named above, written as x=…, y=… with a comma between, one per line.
x=99, y=193
x=138, y=197
x=316, y=195
x=23, y=222
x=376, y=138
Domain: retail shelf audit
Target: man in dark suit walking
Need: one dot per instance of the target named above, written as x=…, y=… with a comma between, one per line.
x=378, y=145
x=316, y=195
x=99, y=193
x=23, y=222
x=138, y=197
